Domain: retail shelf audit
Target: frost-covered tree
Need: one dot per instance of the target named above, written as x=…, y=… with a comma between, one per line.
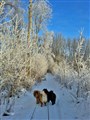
x=29, y=23
x=79, y=55
x=13, y=9
x=41, y=11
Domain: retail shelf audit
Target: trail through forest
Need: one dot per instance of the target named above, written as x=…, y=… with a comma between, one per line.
x=64, y=109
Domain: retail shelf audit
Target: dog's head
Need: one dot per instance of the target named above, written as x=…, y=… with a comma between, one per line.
x=51, y=91
x=45, y=90
x=36, y=93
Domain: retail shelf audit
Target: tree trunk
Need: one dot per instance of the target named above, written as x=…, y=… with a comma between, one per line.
x=29, y=22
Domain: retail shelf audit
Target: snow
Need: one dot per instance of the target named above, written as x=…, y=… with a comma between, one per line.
x=65, y=108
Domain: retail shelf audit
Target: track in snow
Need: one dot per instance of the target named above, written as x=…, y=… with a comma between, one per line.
x=49, y=112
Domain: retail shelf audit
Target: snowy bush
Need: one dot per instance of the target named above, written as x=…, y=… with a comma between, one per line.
x=39, y=66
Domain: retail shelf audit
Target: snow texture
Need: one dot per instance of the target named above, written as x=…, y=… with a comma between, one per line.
x=65, y=108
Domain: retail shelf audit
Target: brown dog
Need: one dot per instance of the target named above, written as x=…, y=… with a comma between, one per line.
x=41, y=97
x=38, y=96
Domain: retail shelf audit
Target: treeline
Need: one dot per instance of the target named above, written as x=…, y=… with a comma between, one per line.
x=67, y=47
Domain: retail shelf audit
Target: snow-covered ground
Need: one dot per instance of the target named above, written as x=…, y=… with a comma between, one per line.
x=64, y=109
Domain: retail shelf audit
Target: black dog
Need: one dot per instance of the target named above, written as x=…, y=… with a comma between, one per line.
x=51, y=96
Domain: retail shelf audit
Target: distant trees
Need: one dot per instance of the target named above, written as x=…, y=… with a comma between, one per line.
x=69, y=47
x=87, y=50
x=59, y=46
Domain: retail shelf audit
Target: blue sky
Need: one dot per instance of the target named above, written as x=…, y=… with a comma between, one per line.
x=69, y=16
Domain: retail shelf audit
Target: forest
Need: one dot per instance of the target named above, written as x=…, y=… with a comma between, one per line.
x=29, y=50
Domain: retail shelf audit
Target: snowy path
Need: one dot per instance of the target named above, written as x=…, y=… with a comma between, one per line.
x=64, y=109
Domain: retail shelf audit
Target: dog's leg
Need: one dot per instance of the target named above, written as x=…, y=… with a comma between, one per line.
x=41, y=104
x=53, y=102
x=37, y=101
x=45, y=103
